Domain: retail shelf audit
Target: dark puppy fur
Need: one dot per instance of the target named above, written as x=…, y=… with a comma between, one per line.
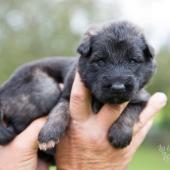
x=115, y=63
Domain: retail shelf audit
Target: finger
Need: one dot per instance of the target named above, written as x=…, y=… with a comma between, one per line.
x=29, y=137
x=139, y=137
x=109, y=114
x=154, y=105
x=80, y=102
x=144, y=130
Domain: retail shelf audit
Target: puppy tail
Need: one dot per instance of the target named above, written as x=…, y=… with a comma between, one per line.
x=6, y=133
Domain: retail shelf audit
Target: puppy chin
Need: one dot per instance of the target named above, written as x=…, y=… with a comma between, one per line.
x=120, y=101
x=114, y=99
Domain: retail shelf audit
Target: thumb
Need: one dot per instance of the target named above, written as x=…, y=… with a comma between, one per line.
x=29, y=137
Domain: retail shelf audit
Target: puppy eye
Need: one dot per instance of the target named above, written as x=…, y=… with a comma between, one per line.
x=100, y=62
x=133, y=60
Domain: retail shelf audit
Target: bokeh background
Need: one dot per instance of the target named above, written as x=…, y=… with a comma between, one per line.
x=32, y=29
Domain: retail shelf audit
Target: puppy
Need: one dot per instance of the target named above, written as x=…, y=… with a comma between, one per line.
x=115, y=64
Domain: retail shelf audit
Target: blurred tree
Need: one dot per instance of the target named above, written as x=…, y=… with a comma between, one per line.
x=33, y=29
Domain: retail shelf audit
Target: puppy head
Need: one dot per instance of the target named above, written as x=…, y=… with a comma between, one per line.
x=115, y=61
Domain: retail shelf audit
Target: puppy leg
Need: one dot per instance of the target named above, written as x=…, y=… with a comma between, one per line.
x=58, y=118
x=55, y=126
x=120, y=133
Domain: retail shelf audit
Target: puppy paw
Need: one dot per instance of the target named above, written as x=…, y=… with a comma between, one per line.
x=49, y=135
x=120, y=136
x=55, y=126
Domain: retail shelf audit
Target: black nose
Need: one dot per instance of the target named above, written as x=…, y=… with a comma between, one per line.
x=118, y=87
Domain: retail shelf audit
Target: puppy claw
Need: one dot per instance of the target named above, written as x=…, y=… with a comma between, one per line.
x=42, y=146
x=47, y=146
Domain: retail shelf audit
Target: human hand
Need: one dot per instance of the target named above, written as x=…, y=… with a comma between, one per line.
x=21, y=153
x=85, y=145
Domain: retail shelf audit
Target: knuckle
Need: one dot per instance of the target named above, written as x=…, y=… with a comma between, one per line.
x=96, y=138
x=77, y=98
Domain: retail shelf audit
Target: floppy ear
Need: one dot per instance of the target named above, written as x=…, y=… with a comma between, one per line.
x=85, y=47
x=149, y=51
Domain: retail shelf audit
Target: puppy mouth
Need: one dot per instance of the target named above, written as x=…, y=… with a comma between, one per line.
x=114, y=98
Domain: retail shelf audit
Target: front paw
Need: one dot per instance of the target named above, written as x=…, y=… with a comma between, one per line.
x=55, y=126
x=120, y=136
x=50, y=134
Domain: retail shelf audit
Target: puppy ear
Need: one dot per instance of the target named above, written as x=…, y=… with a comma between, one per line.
x=84, y=48
x=149, y=51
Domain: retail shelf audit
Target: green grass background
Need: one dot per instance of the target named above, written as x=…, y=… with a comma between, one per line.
x=149, y=158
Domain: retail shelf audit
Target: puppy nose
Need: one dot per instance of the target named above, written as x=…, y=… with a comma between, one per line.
x=118, y=87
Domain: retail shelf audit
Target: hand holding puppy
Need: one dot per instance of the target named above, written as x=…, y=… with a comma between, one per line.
x=85, y=145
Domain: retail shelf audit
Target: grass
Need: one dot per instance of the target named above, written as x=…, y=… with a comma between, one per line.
x=147, y=158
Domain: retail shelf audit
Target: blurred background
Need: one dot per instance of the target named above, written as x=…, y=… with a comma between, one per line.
x=32, y=29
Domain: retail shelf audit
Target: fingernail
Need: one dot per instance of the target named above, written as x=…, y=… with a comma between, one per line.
x=162, y=99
